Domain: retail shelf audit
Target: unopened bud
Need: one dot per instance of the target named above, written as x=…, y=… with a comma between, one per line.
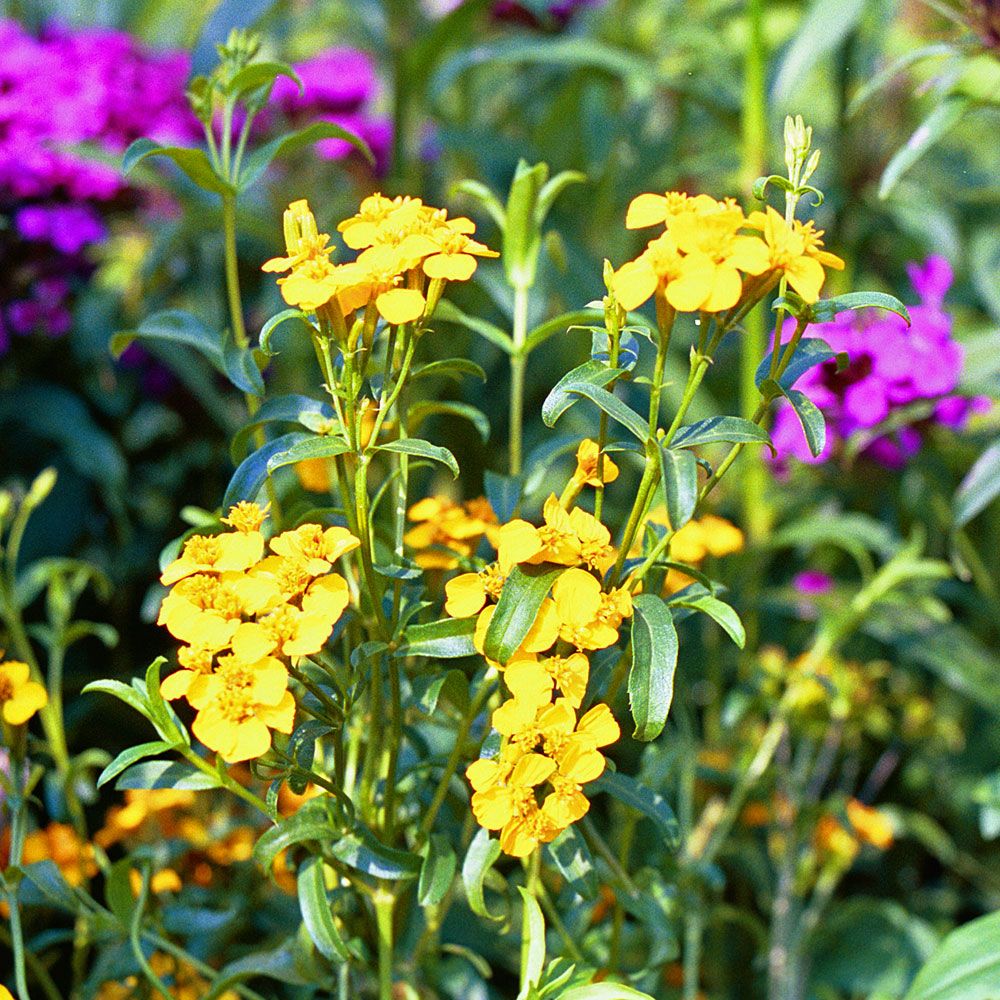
x=40, y=488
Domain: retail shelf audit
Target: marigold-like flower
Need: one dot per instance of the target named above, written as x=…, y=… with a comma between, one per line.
x=239, y=705
x=788, y=253
x=590, y=469
x=455, y=259
x=567, y=538
x=58, y=842
x=316, y=547
x=589, y=618
x=234, y=550
x=445, y=531
x=20, y=696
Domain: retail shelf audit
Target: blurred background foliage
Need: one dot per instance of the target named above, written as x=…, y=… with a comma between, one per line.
x=638, y=95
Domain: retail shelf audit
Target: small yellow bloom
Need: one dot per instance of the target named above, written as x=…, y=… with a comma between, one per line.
x=871, y=826
x=59, y=843
x=652, y=209
x=239, y=705
x=589, y=618
x=444, y=530
x=246, y=517
x=316, y=547
x=787, y=250
x=455, y=259
x=234, y=550
x=314, y=474
x=587, y=461
x=467, y=593
x=20, y=696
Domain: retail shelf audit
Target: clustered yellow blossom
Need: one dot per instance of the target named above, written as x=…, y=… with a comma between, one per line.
x=20, y=696
x=445, y=532
x=548, y=749
x=240, y=614
x=865, y=825
x=182, y=980
x=708, y=535
x=709, y=253
x=407, y=251
x=59, y=843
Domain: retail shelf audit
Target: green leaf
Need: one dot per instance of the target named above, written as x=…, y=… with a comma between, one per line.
x=533, y=957
x=503, y=492
x=422, y=449
x=523, y=592
x=311, y=822
x=450, y=313
x=522, y=233
x=643, y=799
x=822, y=29
x=260, y=74
x=733, y=430
x=604, y=991
x=560, y=324
x=482, y=194
x=453, y=684
x=290, y=409
x=934, y=127
x=176, y=327
x=825, y=310
x=362, y=850
x=809, y=352
x=437, y=872
x=241, y=368
x=296, y=316
x=654, y=660
x=980, y=486
x=614, y=408
x=552, y=189
x=129, y=757
x=679, y=470
x=449, y=368
x=965, y=966
x=193, y=163
x=447, y=639
x=571, y=857
x=291, y=142
x=810, y=417
x=479, y=859
x=314, y=905
x=118, y=891
x=316, y=446
x=166, y=774
x=562, y=396
x=123, y=692
x=251, y=474
x=421, y=411
x=720, y=612
x=50, y=882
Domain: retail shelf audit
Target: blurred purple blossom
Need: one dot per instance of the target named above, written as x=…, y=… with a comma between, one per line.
x=812, y=582
x=891, y=366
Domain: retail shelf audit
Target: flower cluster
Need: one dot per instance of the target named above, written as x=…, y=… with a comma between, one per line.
x=95, y=86
x=338, y=85
x=708, y=535
x=544, y=738
x=407, y=251
x=20, y=696
x=865, y=825
x=711, y=256
x=182, y=980
x=891, y=367
x=446, y=532
x=241, y=614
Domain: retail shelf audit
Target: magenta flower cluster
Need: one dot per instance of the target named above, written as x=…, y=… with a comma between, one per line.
x=98, y=89
x=891, y=366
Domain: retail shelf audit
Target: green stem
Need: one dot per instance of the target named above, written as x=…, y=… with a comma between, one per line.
x=534, y=866
x=647, y=486
x=384, y=904
x=518, y=366
x=694, y=926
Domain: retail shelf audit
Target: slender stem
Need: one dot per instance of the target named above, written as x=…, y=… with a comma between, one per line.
x=647, y=486
x=694, y=926
x=534, y=865
x=384, y=904
x=518, y=365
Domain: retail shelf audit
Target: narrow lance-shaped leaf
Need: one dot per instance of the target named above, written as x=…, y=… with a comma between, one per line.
x=980, y=486
x=654, y=660
x=437, y=871
x=479, y=859
x=422, y=449
x=562, y=395
x=679, y=470
x=316, y=915
x=523, y=592
x=614, y=408
x=732, y=430
x=193, y=163
x=809, y=352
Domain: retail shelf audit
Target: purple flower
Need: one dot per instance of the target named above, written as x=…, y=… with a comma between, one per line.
x=812, y=582
x=891, y=366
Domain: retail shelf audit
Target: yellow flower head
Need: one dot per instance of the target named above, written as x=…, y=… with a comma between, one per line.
x=467, y=593
x=239, y=705
x=589, y=618
x=303, y=241
x=590, y=470
x=236, y=550
x=870, y=825
x=653, y=209
x=59, y=843
x=246, y=516
x=20, y=696
x=315, y=547
x=788, y=253
x=444, y=530
x=455, y=259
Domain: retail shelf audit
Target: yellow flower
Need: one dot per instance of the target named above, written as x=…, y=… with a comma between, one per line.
x=246, y=517
x=714, y=256
x=233, y=550
x=444, y=530
x=831, y=838
x=721, y=537
x=20, y=696
x=813, y=240
x=467, y=593
x=239, y=705
x=58, y=842
x=140, y=806
x=195, y=662
x=363, y=229
x=542, y=634
x=455, y=259
x=652, y=209
x=587, y=461
x=316, y=547
x=589, y=618
x=870, y=825
x=303, y=241
x=570, y=674
x=206, y=610
x=656, y=267
x=787, y=252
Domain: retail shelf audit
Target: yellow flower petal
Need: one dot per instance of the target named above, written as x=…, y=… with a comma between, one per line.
x=646, y=210
x=400, y=305
x=466, y=595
